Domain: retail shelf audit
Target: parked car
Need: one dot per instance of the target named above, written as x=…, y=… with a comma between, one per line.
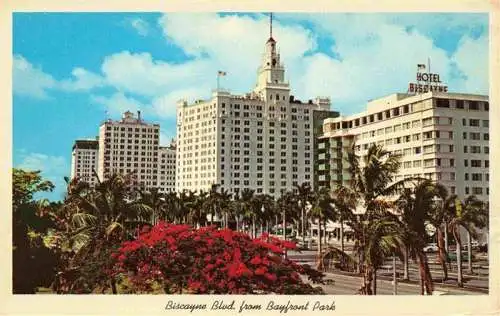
x=431, y=248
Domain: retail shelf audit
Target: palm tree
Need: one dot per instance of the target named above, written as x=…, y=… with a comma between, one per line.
x=322, y=210
x=304, y=194
x=247, y=205
x=101, y=218
x=371, y=182
x=156, y=201
x=383, y=239
x=417, y=205
x=198, y=215
x=470, y=215
x=440, y=218
x=345, y=202
x=185, y=204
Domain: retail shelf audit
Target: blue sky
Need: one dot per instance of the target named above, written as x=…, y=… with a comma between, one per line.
x=69, y=69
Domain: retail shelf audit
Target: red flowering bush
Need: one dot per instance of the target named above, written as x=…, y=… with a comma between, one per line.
x=212, y=261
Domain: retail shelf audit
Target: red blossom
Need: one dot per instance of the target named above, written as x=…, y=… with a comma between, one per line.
x=207, y=260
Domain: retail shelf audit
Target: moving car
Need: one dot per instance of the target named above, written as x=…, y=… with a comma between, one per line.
x=431, y=248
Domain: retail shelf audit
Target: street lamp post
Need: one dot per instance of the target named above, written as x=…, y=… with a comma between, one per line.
x=302, y=226
x=394, y=276
x=262, y=209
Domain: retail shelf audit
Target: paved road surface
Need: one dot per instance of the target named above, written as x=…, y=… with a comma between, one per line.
x=349, y=285
x=472, y=281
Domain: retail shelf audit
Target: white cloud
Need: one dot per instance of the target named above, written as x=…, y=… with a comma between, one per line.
x=138, y=73
x=377, y=56
x=165, y=106
x=118, y=103
x=141, y=26
x=30, y=80
x=83, y=80
x=471, y=58
x=234, y=43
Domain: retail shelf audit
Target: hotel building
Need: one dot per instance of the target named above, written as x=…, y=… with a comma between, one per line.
x=262, y=140
x=440, y=136
x=84, y=160
x=130, y=146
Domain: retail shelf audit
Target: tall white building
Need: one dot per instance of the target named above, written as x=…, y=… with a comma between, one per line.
x=441, y=136
x=130, y=146
x=166, y=163
x=84, y=160
x=262, y=140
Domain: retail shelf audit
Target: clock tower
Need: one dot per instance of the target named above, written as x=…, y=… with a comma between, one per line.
x=271, y=73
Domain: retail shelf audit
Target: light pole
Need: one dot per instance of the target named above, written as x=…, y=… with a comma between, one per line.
x=262, y=209
x=394, y=276
x=302, y=226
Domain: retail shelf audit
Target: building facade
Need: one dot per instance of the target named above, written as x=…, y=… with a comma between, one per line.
x=166, y=163
x=130, y=146
x=440, y=136
x=263, y=140
x=84, y=160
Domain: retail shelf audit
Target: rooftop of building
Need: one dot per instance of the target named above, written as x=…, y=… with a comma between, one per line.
x=397, y=99
x=251, y=96
x=86, y=144
x=129, y=118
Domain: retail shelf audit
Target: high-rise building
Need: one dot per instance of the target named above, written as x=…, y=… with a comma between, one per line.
x=166, y=163
x=130, y=146
x=84, y=160
x=440, y=136
x=262, y=140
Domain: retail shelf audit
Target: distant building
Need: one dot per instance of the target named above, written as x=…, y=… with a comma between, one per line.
x=440, y=136
x=262, y=140
x=130, y=146
x=84, y=160
x=166, y=162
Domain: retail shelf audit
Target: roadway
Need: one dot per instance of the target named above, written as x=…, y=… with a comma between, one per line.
x=349, y=284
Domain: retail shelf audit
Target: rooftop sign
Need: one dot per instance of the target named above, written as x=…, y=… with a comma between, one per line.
x=426, y=82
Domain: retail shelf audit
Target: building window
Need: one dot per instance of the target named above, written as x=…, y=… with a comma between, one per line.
x=474, y=122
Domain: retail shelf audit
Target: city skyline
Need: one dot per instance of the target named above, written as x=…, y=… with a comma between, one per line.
x=148, y=61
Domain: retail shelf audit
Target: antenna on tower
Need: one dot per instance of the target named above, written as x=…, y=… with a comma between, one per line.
x=270, y=25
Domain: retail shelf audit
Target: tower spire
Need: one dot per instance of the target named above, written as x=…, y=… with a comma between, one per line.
x=271, y=25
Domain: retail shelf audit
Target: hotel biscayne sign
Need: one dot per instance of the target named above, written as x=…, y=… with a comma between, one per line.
x=427, y=82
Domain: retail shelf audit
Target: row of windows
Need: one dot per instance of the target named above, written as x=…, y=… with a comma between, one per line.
x=477, y=191
x=130, y=129
x=477, y=177
x=475, y=122
x=462, y=104
x=394, y=112
x=476, y=136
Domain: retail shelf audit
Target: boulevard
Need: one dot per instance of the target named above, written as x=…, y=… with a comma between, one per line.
x=342, y=283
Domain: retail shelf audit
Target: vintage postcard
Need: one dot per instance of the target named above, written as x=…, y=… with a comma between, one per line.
x=242, y=159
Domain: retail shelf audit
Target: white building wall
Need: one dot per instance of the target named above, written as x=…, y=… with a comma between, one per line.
x=166, y=175
x=84, y=160
x=261, y=140
x=129, y=146
x=429, y=138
